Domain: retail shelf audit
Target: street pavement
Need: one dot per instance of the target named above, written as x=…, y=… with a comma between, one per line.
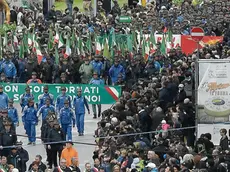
x=85, y=151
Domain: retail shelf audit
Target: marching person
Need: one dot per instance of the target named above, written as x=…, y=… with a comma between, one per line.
x=34, y=79
x=45, y=109
x=96, y=81
x=79, y=104
x=86, y=71
x=43, y=97
x=8, y=138
x=13, y=113
x=55, y=134
x=25, y=97
x=30, y=121
x=4, y=99
x=61, y=99
x=67, y=120
x=8, y=67
x=116, y=70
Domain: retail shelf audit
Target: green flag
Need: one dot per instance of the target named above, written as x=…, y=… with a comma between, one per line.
x=21, y=50
x=152, y=39
x=89, y=44
x=51, y=40
x=143, y=47
x=106, y=50
x=5, y=40
x=163, y=46
x=169, y=35
x=56, y=55
x=134, y=40
x=129, y=44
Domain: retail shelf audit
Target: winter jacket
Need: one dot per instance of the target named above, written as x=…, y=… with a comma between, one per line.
x=60, y=101
x=86, y=72
x=44, y=110
x=13, y=114
x=96, y=81
x=79, y=104
x=9, y=69
x=25, y=98
x=66, y=116
x=15, y=160
x=29, y=114
x=188, y=87
x=114, y=71
x=8, y=138
x=34, y=81
x=68, y=154
x=24, y=158
x=4, y=101
x=224, y=143
x=43, y=97
x=97, y=66
x=55, y=135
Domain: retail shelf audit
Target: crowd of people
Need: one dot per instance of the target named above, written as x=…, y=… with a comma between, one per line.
x=152, y=126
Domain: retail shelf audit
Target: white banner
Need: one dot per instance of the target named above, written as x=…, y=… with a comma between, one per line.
x=213, y=98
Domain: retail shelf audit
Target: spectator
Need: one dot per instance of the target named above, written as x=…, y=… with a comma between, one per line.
x=39, y=164
x=68, y=153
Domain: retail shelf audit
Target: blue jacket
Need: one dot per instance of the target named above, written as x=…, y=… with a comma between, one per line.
x=114, y=71
x=29, y=114
x=66, y=116
x=3, y=101
x=96, y=81
x=79, y=104
x=44, y=110
x=13, y=114
x=24, y=99
x=97, y=66
x=60, y=101
x=9, y=69
x=42, y=99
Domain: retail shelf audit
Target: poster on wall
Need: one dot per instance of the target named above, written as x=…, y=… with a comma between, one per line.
x=213, y=96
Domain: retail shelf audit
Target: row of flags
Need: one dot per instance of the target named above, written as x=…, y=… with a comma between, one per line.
x=107, y=45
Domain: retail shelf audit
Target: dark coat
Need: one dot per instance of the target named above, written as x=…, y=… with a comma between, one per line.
x=24, y=158
x=15, y=160
x=224, y=143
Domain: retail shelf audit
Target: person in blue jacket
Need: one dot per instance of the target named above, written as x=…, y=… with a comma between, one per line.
x=96, y=81
x=67, y=119
x=61, y=99
x=97, y=65
x=115, y=70
x=30, y=121
x=8, y=68
x=4, y=99
x=45, y=109
x=25, y=97
x=43, y=97
x=13, y=113
x=79, y=104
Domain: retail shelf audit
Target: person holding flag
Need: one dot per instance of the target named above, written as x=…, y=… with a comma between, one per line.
x=34, y=79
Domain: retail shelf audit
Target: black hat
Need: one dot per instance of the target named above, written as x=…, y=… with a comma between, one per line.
x=34, y=73
x=69, y=141
x=19, y=143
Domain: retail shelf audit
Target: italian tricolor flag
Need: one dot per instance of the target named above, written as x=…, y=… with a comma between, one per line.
x=98, y=47
x=67, y=49
x=30, y=39
x=56, y=38
x=60, y=42
x=147, y=49
x=38, y=51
